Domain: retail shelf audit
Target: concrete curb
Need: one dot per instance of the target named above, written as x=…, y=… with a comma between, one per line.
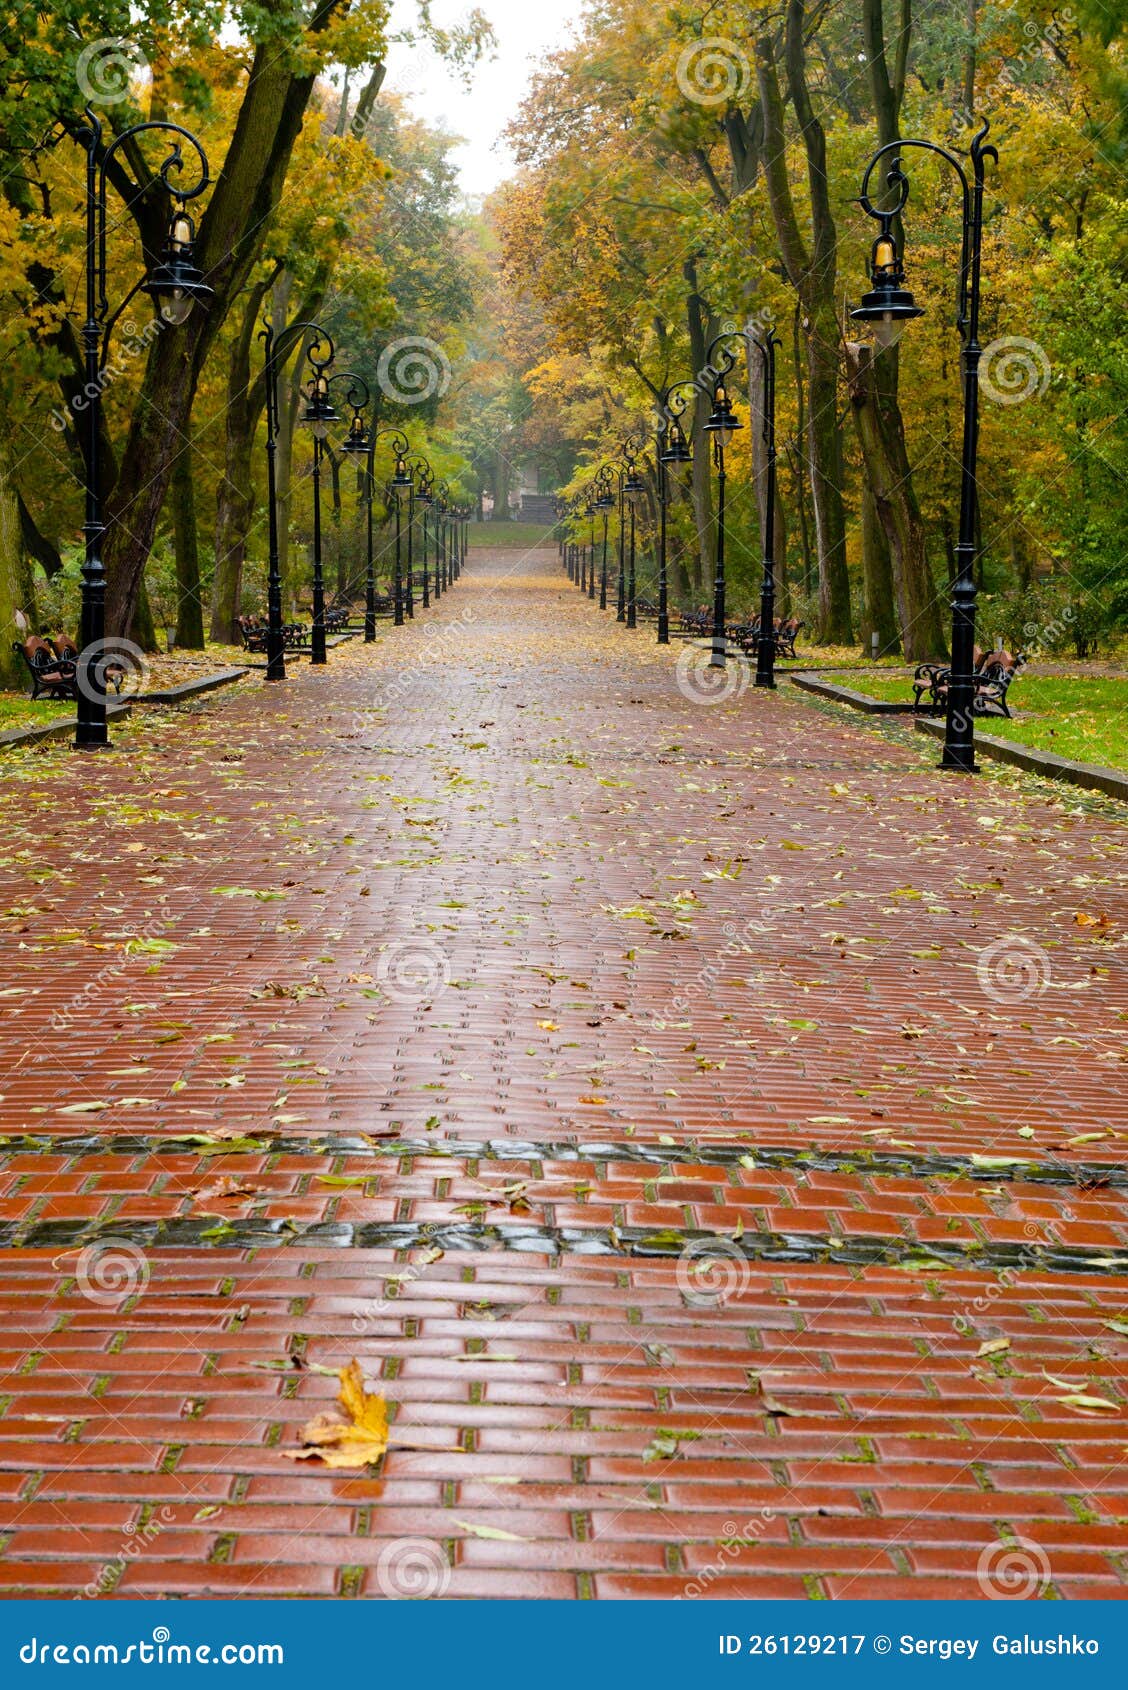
x=190, y=689
x=856, y=700
x=64, y=727
x=1112, y=782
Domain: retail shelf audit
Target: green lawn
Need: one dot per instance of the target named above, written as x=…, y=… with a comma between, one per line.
x=17, y=711
x=524, y=534
x=1084, y=717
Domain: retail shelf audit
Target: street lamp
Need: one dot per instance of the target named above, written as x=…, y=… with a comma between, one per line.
x=400, y=446
x=319, y=414
x=633, y=488
x=590, y=513
x=605, y=502
x=421, y=495
x=721, y=424
x=275, y=350
x=361, y=442
x=672, y=448
x=766, y=642
x=174, y=286
x=888, y=306
x=442, y=534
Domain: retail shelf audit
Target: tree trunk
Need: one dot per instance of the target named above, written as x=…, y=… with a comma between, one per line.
x=878, y=614
x=247, y=188
x=233, y=494
x=699, y=320
x=881, y=436
x=813, y=276
x=16, y=592
x=186, y=541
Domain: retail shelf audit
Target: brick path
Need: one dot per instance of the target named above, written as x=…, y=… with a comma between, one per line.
x=703, y=1121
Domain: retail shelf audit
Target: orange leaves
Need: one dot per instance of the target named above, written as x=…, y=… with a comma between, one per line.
x=357, y=1441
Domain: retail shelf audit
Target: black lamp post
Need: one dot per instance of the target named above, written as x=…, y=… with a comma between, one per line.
x=421, y=481
x=442, y=530
x=275, y=350
x=605, y=502
x=591, y=542
x=175, y=286
x=633, y=488
x=766, y=643
x=320, y=414
x=888, y=306
x=672, y=448
x=361, y=442
x=720, y=425
x=400, y=478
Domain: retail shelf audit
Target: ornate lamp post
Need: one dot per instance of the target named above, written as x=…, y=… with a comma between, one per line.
x=421, y=469
x=888, y=306
x=401, y=447
x=605, y=502
x=361, y=442
x=672, y=448
x=590, y=512
x=766, y=643
x=442, y=511
x=320, y=414
x=275, y=351
x=720, y=425
x=400, y=483
x=174, y=286
x=633, y=488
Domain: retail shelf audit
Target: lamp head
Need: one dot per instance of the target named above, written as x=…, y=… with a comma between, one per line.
x=676, y=450
x=358, y=440
x=723, y=420
x=178, y=283
x=401, y=476
x=319, y=411
x=889, y=304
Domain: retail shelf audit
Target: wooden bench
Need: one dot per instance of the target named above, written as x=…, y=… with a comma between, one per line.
x=994, y=672
x=747, y=635
x=53, y=675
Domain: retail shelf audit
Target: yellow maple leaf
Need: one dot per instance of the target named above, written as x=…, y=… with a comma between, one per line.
x=356, y=1442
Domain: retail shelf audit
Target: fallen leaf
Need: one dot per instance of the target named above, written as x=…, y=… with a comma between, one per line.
x=358, y=1441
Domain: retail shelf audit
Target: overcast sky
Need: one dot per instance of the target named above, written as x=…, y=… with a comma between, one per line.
x=525, y=30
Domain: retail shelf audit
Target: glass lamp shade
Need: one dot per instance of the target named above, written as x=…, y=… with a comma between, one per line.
x=605, y=501
x=889, y=304
x=633, y=485
x=676, y=449
x=723, y=419
x=402, y=475
x=320, y=411
x=178, y=283
x=358, y=440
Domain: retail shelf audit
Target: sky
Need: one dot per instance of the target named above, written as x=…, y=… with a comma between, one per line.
x=525, y=30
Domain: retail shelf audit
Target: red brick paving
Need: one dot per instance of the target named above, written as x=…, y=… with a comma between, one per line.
x=714, y=971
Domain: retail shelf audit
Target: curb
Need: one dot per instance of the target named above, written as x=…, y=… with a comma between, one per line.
x=856, y=700
x=1112, y=782
x=66, y=725
x=190, y=689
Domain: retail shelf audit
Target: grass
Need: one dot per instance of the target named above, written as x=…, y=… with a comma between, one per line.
x=524, y=534
x=18, y=711
x=1083, y=717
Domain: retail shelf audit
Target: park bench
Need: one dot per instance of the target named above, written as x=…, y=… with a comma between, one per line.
x=52, y=674
x=747, y=635
x=994, y=673
x=699, y=621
